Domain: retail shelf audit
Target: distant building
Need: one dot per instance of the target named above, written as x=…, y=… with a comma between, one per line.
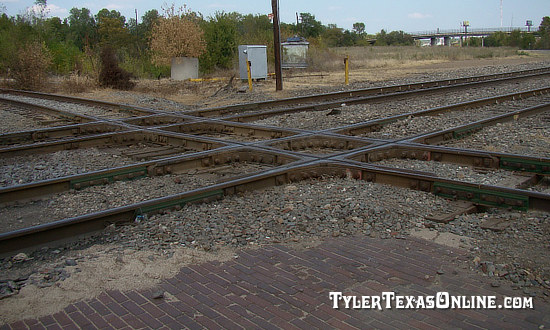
x=295, y=53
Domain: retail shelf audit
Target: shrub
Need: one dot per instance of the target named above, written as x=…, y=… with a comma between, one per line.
x=29, y=66
x=75, y=83
x=111, y=75
x=176, y=34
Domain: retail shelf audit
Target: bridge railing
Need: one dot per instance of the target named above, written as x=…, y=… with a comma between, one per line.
x=451, y=32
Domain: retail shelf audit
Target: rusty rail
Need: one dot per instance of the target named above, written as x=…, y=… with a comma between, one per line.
x=284, y=148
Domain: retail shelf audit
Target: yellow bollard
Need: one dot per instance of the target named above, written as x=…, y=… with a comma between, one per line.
x=346, y=64
x=248, y=64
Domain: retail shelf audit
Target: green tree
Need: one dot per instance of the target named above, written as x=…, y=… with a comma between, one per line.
x=309, y=27
x=528, y=41
x=514, y=40
x=82, y=28
x=359, y=28
x=381, y=38
x=544, y=33
x=255, y=29
x=497, y=39
x=221, y=36
x=338, y=37
x=112, y=29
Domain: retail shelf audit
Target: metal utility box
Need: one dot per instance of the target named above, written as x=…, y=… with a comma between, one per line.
x=257, y=55
x=295, y=53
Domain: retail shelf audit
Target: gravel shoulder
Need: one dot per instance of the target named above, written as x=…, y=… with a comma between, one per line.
x=527, y=136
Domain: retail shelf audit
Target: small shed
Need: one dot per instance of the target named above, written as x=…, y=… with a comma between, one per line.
x=295, y=53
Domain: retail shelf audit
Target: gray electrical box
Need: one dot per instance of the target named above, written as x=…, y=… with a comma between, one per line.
x=257, y=55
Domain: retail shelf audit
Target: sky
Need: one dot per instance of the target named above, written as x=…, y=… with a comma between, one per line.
x=390, y=15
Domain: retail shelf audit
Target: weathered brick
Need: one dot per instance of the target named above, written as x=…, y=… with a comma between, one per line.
x=99, y=307
x=153, y=310
x=97, y=320
x=117, y=296
x=79, y=319
x=132, y=307
x=149, y=320
x=47, y=320
x=115, y=321
x=62, y=318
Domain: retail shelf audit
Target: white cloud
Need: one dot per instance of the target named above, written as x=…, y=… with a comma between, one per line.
x=57, y=11
x=50, y=10
x=113, y=6
x=419, y=16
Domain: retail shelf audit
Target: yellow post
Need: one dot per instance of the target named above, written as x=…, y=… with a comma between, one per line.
x=346, y=64
x=248, y=64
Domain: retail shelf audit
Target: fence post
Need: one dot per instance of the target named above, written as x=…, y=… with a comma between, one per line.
x=346, y=65
x=248, y=64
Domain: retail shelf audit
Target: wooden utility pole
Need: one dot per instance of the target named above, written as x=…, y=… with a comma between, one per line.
x=277, y=45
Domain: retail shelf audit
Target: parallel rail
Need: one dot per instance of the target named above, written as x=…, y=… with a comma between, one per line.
x=89, y=223
x=280, y=147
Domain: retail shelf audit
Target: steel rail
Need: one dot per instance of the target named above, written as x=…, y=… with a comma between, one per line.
x=360, y=149
x=73, y=117
x=220, y=111
x=468, y=129
x=133, y=110
x=72, y=227
x=357, y=100
x=57, y=132
x=377, y=124
x=173, y=165
x=301, y=167
x=116, y=138
x=350, y=94
x=473, y=158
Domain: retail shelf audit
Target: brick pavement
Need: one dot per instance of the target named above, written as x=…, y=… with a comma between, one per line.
x=280, y=287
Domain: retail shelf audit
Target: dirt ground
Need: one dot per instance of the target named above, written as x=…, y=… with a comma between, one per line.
x=98, y=269
x=212, y=93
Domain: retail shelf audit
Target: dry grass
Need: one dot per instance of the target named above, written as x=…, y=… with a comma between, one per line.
x=368, y=64
x=74, y=84
x=331, y=59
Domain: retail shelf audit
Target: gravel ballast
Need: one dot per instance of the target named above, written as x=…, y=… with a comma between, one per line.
x=18, y=119
x=463, y=173
x=120, y=193
x=31, y=168
x=353, y=114
x=104, y=113
x=527, y=136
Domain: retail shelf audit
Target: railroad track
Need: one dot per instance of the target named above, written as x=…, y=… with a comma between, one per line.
x=238, y=156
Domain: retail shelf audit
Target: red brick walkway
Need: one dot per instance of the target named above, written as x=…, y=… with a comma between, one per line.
x=278, y=287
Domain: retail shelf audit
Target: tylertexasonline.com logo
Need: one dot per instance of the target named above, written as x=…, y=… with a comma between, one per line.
x=441, y=300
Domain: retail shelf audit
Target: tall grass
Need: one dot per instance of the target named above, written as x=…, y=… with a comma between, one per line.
x=331, y=59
